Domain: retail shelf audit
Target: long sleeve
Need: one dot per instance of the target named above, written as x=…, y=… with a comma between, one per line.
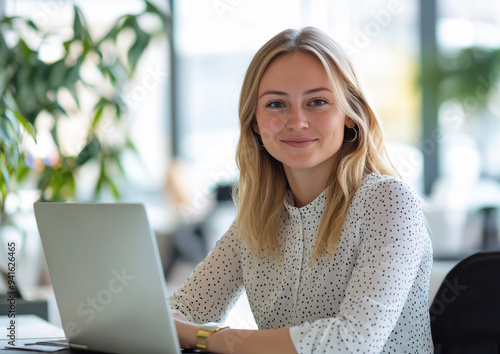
x=214, y=285
x=387, y=288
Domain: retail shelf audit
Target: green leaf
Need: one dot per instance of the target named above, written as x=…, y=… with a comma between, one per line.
x=112, y=34
x=12, y=158
x=131, y=146
x=24, y=49
x=90, y=151
x=99, y=107
x=58, y=71
x=118, y=108
x=12, y=127
x=81, y=32
x=87, y=44
x=29, y=109
x=67, y=45
x=78, y=30
x=114, y=189
x=73, y=72
x=54, y=107
x=3, y=133
x=100, y=180
x=68, y=186
x=136, y=50
x=8, y=135
x=128, y=21
x=72, y=77
x=45, y=178
x=22, y=172
x=32, y=24
x=24, y=75
x=63, y=185
x=106, y=71
x=53, y=133
x=40, y=83
x=118, y=163
x=5, y=175
x=3, y=189
x=10, y=102
x=119, y=71
x=5, y=52
x=56, y=184
x=30, y=129
x=153, y=9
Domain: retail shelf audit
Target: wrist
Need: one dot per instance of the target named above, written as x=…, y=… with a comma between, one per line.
x=194, y=333
x=204, y=334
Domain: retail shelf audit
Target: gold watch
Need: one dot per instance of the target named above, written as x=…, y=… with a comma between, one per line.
x=204, y=333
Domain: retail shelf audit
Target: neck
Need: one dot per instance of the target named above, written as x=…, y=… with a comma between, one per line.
x=308, y=184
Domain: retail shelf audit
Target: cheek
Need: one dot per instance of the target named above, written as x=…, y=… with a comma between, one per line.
x=333, y=125
x=270, y=125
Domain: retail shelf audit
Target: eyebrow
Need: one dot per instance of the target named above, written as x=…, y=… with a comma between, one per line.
x=281, y=93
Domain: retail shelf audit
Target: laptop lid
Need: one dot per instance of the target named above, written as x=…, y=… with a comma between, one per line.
x=106, y=272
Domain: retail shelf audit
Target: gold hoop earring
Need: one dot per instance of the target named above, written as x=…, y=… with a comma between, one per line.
x=355, y=136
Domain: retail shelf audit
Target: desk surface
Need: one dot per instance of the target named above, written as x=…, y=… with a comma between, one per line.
x=27, y=329
x=31, y=329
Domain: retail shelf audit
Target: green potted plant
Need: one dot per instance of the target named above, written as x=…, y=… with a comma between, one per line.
x=31, y=87
x=33, y=90
x=469, y=76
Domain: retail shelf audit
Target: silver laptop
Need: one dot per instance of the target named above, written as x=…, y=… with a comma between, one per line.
x=107, y=277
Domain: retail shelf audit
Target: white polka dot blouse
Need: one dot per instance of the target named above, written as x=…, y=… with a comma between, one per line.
x=372, y=296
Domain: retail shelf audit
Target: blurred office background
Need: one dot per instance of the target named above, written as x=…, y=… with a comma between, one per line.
x=430, y=68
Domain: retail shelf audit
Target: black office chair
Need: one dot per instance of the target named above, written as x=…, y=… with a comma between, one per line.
x=465, y=314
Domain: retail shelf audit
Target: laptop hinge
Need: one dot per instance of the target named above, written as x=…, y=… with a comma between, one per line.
x=77, y=346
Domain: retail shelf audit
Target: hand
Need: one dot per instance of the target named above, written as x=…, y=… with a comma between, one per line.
x=186, y=331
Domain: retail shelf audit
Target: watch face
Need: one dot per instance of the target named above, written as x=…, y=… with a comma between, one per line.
x=211, y=326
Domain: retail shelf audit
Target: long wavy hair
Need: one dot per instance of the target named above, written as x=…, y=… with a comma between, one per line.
x=262, y=186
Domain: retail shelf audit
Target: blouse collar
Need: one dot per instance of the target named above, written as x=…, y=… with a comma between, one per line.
x=313, y=209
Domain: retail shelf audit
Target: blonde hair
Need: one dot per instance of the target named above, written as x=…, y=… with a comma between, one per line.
x=262, y=186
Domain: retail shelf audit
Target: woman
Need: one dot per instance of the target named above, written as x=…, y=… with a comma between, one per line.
x=331, y=248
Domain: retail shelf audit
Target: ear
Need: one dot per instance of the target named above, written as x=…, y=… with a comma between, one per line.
x=349, y=122
x=255, y=127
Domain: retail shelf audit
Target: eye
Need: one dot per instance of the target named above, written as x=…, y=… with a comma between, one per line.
x=275, y=104
x=318, y=102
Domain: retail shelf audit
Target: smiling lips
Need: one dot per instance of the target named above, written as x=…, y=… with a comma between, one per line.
x=298, y=142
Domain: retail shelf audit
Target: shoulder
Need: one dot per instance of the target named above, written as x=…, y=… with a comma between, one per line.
x=380, y=191
x=230, y=240
x=387, y=205
x=376, y=186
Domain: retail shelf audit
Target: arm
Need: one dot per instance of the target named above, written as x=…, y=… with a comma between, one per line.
x=214, y=285
x=272, y=341
x=393, y=242
x=207, y=296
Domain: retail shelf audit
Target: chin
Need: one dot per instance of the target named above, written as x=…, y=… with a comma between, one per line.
x=308, y=163
x=301, y=165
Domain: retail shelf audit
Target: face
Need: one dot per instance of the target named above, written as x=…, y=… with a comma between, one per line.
x=297, y=116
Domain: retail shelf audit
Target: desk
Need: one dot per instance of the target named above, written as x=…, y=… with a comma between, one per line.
x=31, y=328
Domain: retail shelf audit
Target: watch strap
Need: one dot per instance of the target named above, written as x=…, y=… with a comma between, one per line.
x=204, y=334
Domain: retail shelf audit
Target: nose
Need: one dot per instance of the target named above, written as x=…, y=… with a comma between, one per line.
x=297, y=120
